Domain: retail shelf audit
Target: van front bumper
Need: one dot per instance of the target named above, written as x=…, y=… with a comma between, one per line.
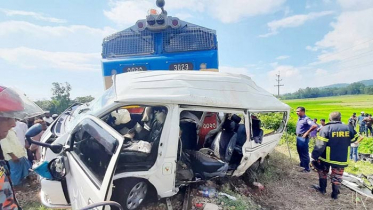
x=45, y=201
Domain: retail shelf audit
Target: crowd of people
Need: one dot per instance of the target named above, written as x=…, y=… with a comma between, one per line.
x=14, y=163
x=16, y=150
x=365, y=122
x=335, y=143
x=17, y=115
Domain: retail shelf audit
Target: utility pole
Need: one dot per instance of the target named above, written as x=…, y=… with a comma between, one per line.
x=278, y=83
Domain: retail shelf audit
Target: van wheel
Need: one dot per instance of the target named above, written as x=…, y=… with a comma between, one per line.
x=264, y=165
x=251, y=174
x=131, y=193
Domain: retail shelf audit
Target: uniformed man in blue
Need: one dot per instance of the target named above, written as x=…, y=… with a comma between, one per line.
x=304, y=126
x=332, y=151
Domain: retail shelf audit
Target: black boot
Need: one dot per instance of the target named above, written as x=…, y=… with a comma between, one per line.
x=322, y=186
x=335, y=191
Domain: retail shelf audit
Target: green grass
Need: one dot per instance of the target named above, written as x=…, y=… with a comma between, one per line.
x=366, y=146
x=360, y=167
x=242, y=202
x=34, y=206
x=321, y=108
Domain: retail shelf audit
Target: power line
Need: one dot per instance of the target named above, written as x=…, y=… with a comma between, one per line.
x=348, y=48
x=358, y=65
x=278, y=83
x=351, y=58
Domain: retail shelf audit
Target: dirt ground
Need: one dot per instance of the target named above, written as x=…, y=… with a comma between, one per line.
x=287, y=188
x=27, y=194
x=284, y=188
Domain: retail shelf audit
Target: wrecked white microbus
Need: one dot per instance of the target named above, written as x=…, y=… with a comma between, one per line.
x=153, y=132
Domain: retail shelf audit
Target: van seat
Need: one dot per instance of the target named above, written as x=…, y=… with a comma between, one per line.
x=188, y=135
x=224, y=143
x=206, y=166
x=210, y=123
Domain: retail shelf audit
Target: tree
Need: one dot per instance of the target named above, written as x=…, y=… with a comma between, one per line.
x=352, y=89
x=44, y=104
x=60, y=97
x=84, y=99
x=356, y=88
x=368, y=90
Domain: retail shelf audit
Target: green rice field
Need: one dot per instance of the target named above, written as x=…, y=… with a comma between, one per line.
x=321, y=107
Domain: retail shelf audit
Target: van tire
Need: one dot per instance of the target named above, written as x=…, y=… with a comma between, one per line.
x=264, y=165
x=251, y=174
x=135, y=187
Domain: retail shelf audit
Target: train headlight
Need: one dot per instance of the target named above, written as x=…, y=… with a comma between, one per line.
x=150, y=20
x=160, y=19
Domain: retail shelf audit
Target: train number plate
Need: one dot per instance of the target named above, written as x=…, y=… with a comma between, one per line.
x=134, y=68
x=181, y=66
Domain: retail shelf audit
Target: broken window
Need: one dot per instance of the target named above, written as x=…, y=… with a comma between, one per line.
x=266, y=123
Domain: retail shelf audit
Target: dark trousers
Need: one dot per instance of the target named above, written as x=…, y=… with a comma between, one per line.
x=361, y=129
x=336, y=175
x=30, y=156
x=368, y=128
x=302, y=148
x=336, y=178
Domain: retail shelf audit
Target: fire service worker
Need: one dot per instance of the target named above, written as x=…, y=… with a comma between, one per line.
x=332, y=150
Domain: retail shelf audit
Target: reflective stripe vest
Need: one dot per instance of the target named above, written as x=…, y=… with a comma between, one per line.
x=333, y=144
x=7, y=197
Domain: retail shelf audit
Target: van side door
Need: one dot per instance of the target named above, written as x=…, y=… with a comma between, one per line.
x=94, y=151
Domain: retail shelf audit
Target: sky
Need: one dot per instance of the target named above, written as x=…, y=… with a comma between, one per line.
x=309, y=43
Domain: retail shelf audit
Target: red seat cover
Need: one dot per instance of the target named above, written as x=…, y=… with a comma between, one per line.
x=209, y=123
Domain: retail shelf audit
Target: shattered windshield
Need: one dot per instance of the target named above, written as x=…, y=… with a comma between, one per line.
x=105, y=99
x=96, y=105
x=76, y=116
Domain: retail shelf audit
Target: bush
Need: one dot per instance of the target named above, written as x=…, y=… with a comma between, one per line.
x=291, y=127
x=366, y=146
x=271, y=121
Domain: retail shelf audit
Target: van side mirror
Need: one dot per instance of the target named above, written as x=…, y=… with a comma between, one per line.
x=35, y=130
x=58, y=168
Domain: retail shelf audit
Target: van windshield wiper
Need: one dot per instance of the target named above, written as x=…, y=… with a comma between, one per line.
x=83, y=110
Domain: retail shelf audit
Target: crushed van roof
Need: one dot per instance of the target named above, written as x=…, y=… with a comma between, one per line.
x=201, y=88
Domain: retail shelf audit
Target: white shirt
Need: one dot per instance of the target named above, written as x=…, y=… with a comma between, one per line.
x=48, y=120
x=21, y=129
